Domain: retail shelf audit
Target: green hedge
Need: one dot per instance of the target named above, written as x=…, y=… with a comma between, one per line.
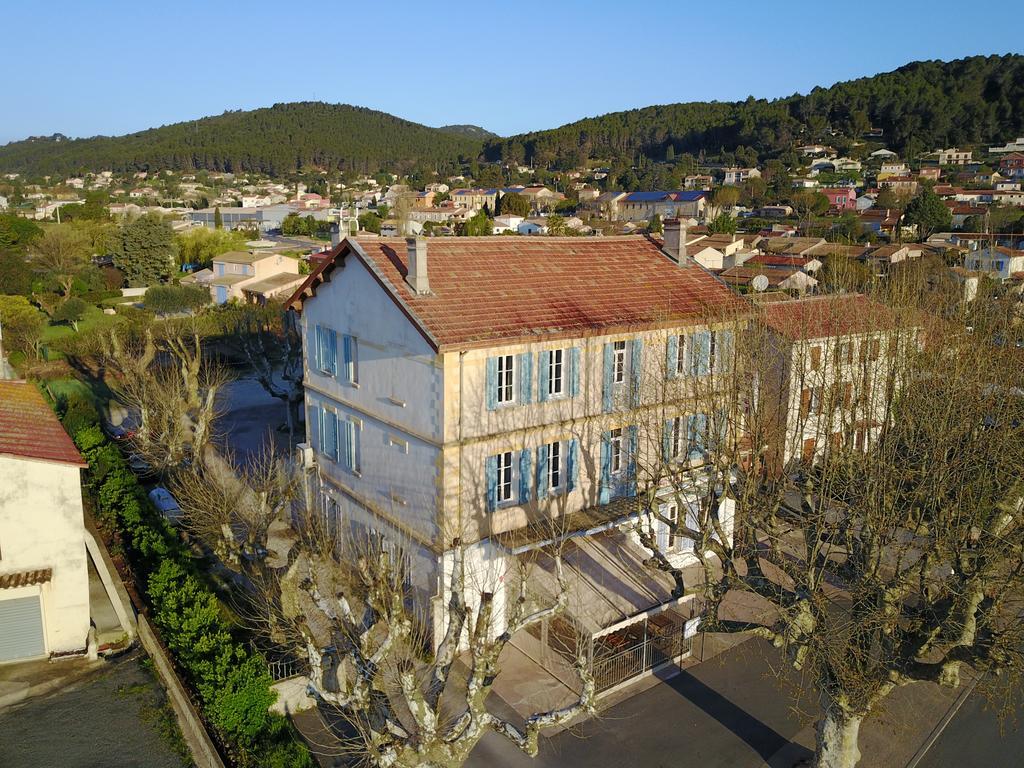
x=232, y=682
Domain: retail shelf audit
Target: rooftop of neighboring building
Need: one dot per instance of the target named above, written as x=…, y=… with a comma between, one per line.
x=29, y=429
x=242, y=257
x=819, y=317
x=500, y=289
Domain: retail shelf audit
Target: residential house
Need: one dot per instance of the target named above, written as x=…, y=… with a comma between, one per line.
x=541, y=198
x=1012, y=165
x=699, y=181
x=477, y=199
x=3, y=203
x=642, y=206
x=882, y=221
x=507, y=223
x=834, y=358
x=253, y=276
x=790, y=246
x=255, y=200
x=929, y=173
x=884, y=153
x=840, y=198
x=893, y=168
x=44, y=578
x=736, y=176
x=907, y=184
x=998, y=261
x=774, y=211
x=718, y=252
x=952, y=156
x=491, y=395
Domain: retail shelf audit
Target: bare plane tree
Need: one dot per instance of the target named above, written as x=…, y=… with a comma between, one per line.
x=343, y=605
x=876, y=482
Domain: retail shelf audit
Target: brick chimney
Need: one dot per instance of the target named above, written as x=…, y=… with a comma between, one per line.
x=675, y=240
x=416, y=277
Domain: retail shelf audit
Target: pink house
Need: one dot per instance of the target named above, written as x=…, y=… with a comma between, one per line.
x=841, y=198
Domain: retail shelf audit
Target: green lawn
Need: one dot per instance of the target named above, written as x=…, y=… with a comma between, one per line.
x=94, y=319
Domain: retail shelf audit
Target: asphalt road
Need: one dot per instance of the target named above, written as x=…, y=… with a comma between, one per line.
x=113, y=718
x=975, y=738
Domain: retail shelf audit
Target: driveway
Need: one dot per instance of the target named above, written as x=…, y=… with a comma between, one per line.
x=251, y=420
x=115, y=715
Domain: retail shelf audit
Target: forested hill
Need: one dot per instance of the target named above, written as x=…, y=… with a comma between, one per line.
x=274, y=140
x=920, y=106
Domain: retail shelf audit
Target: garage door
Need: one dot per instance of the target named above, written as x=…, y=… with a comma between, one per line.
x=21, y=629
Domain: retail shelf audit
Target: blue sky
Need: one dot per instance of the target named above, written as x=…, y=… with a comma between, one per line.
x=86, y=68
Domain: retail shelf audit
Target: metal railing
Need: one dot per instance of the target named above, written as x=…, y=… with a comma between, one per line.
x=653, y=650
x=282, y=669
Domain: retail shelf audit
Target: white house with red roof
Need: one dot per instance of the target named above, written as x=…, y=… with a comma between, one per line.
x=44, y=581
x=505, y=393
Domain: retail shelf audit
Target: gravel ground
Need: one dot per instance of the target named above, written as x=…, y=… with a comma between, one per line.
x=115, y=717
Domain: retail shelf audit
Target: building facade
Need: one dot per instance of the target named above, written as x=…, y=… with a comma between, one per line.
x=509, y=394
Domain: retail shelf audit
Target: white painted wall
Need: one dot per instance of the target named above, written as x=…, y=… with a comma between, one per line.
x=42, y=526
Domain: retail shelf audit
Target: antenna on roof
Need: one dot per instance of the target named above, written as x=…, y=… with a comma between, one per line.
x=759, y=283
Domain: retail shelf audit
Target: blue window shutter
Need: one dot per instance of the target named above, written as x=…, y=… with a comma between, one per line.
x=491, y=473
x=318, y=347
x=331, y=434
x=696, y=435
x=666, y=440
x=636, y=366
x=672, y=357
x=701, y=352
x=543, y=373
x=607, y=399
x=492, y=383
x=525, y=378
x=542, y=471
x=524, y=477
x=332, y=354
x=313, y=427
x=574, y=372
x=349, y=445
x=605, y=488
x=723, y=349
x=573, y=467
x=631, y=451
x=346, y=352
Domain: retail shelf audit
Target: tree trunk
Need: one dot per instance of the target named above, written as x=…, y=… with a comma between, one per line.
x=837, y=739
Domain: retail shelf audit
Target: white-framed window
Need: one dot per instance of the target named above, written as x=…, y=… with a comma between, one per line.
x=326, y=350
x=556, y=467
x=671, y=513
x=813, y=400
x=556, y=373
x=506, y=377
x=618, y=362
x=681, y=355
x=503, y=489
x=616, y=446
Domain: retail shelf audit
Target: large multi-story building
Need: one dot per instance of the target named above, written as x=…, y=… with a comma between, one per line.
x=492, y=395
x=831, y=372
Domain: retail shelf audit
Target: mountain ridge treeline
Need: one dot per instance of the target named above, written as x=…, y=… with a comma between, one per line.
x=275, y=140
x=919, y=106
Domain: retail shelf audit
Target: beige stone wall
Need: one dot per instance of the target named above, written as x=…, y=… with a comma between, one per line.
x=42, y=526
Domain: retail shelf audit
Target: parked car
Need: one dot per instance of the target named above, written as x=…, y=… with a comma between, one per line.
x=141, y=467
x=165, y=503
x=118, y=432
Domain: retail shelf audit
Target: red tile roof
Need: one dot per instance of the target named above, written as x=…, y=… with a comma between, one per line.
x=778, y=260
x=819, y=317
x=29, y=428
x=486, y=289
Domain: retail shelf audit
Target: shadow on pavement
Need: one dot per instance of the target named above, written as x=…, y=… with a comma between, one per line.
x=761, y=738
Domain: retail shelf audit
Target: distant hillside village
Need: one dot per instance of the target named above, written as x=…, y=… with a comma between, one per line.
x=854, y=211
